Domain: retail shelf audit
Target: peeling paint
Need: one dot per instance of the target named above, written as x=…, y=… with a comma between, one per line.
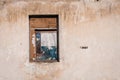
x=82, y=23
x=33, y=40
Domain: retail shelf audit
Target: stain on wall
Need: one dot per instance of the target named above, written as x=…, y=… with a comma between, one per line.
x=82, y=23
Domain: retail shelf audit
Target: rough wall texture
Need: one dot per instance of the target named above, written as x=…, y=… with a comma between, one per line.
x=91, y=23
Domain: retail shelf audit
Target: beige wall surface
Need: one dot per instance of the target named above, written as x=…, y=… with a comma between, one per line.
x=91, y=23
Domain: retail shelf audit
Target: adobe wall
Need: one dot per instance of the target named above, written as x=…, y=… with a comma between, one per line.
x=91, y=23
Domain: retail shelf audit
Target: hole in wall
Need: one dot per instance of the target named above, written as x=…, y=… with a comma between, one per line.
x=96, y=0
x=84, y=47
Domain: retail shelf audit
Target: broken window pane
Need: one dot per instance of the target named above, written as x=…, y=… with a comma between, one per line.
x=46, y=45
x=38, y=42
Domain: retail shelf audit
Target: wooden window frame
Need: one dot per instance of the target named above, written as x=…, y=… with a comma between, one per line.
x=33, y=30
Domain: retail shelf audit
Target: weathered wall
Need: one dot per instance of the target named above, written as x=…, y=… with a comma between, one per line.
x=91, y=23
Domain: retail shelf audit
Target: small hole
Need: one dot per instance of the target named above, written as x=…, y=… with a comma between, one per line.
x=97, y=0
x=84, y=47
